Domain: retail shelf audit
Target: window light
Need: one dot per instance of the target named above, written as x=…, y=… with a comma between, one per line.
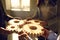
x=18, y=5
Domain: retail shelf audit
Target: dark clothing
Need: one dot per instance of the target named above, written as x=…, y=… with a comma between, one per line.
x=3, y=18
x=41, y=38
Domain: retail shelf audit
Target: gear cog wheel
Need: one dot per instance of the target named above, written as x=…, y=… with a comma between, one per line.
x=33, y=29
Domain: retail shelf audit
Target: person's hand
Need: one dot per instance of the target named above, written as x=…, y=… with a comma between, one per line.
x=46, y=33
x=24, y=36
x=4, y=31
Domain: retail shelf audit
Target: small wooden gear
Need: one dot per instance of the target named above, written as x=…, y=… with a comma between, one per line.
x=13, y=28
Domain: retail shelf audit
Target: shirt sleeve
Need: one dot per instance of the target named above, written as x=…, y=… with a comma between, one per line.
x=58, y=38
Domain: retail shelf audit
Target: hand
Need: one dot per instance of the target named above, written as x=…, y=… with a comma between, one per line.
x=24, y=36
x=4, y=31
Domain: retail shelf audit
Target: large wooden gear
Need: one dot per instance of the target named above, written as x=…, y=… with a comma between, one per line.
x=33, y=29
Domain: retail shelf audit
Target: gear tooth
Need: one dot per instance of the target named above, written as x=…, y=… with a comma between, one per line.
x=37, y=30
x=27, y=33
x=30, y=33
x=33, y=34
x=39, y=34
x=36, y=34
